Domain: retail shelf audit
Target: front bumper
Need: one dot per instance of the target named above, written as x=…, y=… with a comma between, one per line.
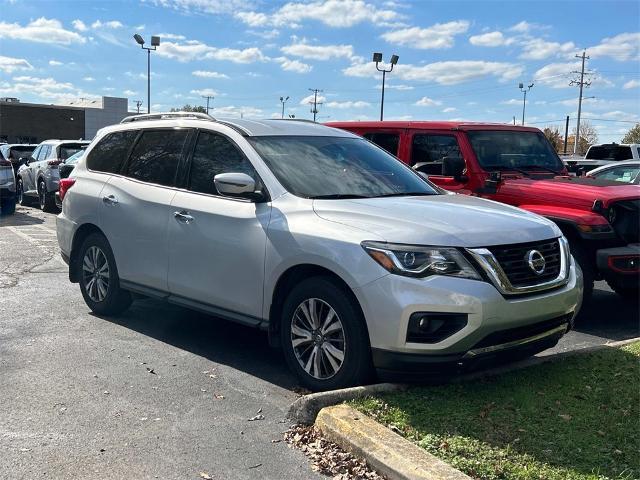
x=620, y=265
x=389, y=302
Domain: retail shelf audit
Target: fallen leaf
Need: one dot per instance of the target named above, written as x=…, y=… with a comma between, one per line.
x=255, y=466
x=564, y=416
x=206, y=476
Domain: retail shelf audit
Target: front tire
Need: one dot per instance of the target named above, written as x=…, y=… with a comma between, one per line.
x=325, y=340
x=99, y=281
x=22, y=198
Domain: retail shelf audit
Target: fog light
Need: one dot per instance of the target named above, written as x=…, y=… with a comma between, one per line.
x=625, y=263
x=433, y=327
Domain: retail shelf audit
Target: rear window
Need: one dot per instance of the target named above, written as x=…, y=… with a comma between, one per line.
x=111, y=152
x=16, y=153
x=67, y=150
x=609, y=152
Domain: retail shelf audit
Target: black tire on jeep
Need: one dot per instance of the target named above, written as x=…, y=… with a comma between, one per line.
x=324, y=336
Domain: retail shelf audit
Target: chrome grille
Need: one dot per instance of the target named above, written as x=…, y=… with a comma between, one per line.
x=513, y=260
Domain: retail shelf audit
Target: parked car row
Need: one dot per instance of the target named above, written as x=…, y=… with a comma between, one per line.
x=351, y=261
x=601, y=155
x=36, y=172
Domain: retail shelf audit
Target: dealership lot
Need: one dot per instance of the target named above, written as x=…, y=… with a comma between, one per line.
x=159, y=391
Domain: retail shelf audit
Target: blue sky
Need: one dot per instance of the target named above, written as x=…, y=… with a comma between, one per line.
x=458, y=59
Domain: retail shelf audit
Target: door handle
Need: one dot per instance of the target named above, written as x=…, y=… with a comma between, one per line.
x=183, y=216
x=110, y=200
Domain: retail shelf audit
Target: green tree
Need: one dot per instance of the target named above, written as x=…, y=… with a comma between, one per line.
x=588, y=136
x=189, y=108
x=633, y=135
x=555, y=137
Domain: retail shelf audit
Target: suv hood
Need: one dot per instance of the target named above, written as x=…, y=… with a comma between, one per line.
x=439, y=220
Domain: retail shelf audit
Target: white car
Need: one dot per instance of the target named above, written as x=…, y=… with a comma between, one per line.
x=601, y=155
x=621, y=172
x=345, y=256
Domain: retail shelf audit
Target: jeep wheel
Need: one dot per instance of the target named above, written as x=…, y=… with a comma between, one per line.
x=46, y=199
x=324, y=336
x=99, y=281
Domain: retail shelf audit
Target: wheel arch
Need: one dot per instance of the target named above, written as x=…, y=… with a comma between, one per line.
x=288, y=279
x=79, y=236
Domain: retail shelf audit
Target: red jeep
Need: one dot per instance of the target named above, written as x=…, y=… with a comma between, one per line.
x=518, y=166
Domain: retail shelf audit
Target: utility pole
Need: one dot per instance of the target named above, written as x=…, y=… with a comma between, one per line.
x=524, y=101
x=208, y=97
x=283, y=100
x=315, y=103
x=138, y=103
x=566, y=134
x=581, y=84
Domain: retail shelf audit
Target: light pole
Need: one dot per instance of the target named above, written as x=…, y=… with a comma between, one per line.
x=524, y=101
x=155, y=42
x=377, y=57
x=283, y=100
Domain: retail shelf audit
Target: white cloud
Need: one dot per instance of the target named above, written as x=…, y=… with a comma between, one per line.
x=203, y=6
x=266, y=34
x=233, y=111
x=318, y=52
x=334, y=13
x=129, y=93
x=623, y=47
x=171, y=36
x=556, y=75
x=512, y=101
x=490, y=39
x=42, y=30
x=309, y=99
x=348, y=104
x=79, y=25
x=428, y=102
x=45, y=88
x=140, y=28
x=112, y=24
x=88, y=79
x=449, y=109
x=539, y=49
x=440, y=35
x=208, y=74
x=11, y=64
x=526, y=27
x=631, y=84
x=395, y=87
x=293, y=65
x=205, y=92
x=195, y=50
x=55, y=63
x=444, y=73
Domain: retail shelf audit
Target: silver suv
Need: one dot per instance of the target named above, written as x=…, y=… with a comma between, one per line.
x=38, y=178
x=349, y=259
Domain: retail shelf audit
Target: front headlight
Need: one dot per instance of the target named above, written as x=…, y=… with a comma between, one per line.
x=420, y=261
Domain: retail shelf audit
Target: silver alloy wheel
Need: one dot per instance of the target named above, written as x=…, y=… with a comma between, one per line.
x=317, y=337
x=95, y=273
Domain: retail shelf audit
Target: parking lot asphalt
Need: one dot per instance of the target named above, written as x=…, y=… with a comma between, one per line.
x=160, y=391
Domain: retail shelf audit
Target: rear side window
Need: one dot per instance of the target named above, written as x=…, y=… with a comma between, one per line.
x=386, y=141
x=609, y=152
x=44, y=153
x=216, y=154
x=156, y=156
x=110, y=152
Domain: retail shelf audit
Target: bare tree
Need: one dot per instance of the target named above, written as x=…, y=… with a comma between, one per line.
x=588, y=136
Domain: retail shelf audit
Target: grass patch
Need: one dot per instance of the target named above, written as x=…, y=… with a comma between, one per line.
x=576, y=419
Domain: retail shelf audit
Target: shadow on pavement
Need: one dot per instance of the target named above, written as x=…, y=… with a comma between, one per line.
x=608, y=315
x=223, y=342
x=19, y=218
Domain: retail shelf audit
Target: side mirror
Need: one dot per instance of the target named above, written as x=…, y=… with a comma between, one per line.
x=453, y=167
x=235, y=185
x=23, y=161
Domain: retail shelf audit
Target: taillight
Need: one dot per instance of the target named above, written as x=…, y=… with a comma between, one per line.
x=53, y=163
x=64, y=185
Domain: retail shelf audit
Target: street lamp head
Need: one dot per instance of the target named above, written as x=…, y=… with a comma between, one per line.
x=394, y=59
x=377, y=57
x=286, y=99
x=155, y=41
x=520, y=85
x=139, y=39
x=531, y=85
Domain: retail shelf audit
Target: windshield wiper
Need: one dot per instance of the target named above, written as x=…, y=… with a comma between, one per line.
x=542, y=168
x=404, y=194
x=505, y=167
x=337, y=196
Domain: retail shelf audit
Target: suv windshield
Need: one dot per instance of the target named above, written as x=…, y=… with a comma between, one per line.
x=337, y=167
x=609, y=152
x=496, y=150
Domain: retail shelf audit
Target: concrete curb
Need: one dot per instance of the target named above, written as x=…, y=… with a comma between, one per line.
x=305, y=409
x=385, y=451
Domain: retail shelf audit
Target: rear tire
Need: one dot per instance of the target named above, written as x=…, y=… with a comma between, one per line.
x=98, y=275
x=324, y=337
x=22, y=198
x=46, y=200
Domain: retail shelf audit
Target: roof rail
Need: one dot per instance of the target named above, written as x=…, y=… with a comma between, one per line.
x=168, y=116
